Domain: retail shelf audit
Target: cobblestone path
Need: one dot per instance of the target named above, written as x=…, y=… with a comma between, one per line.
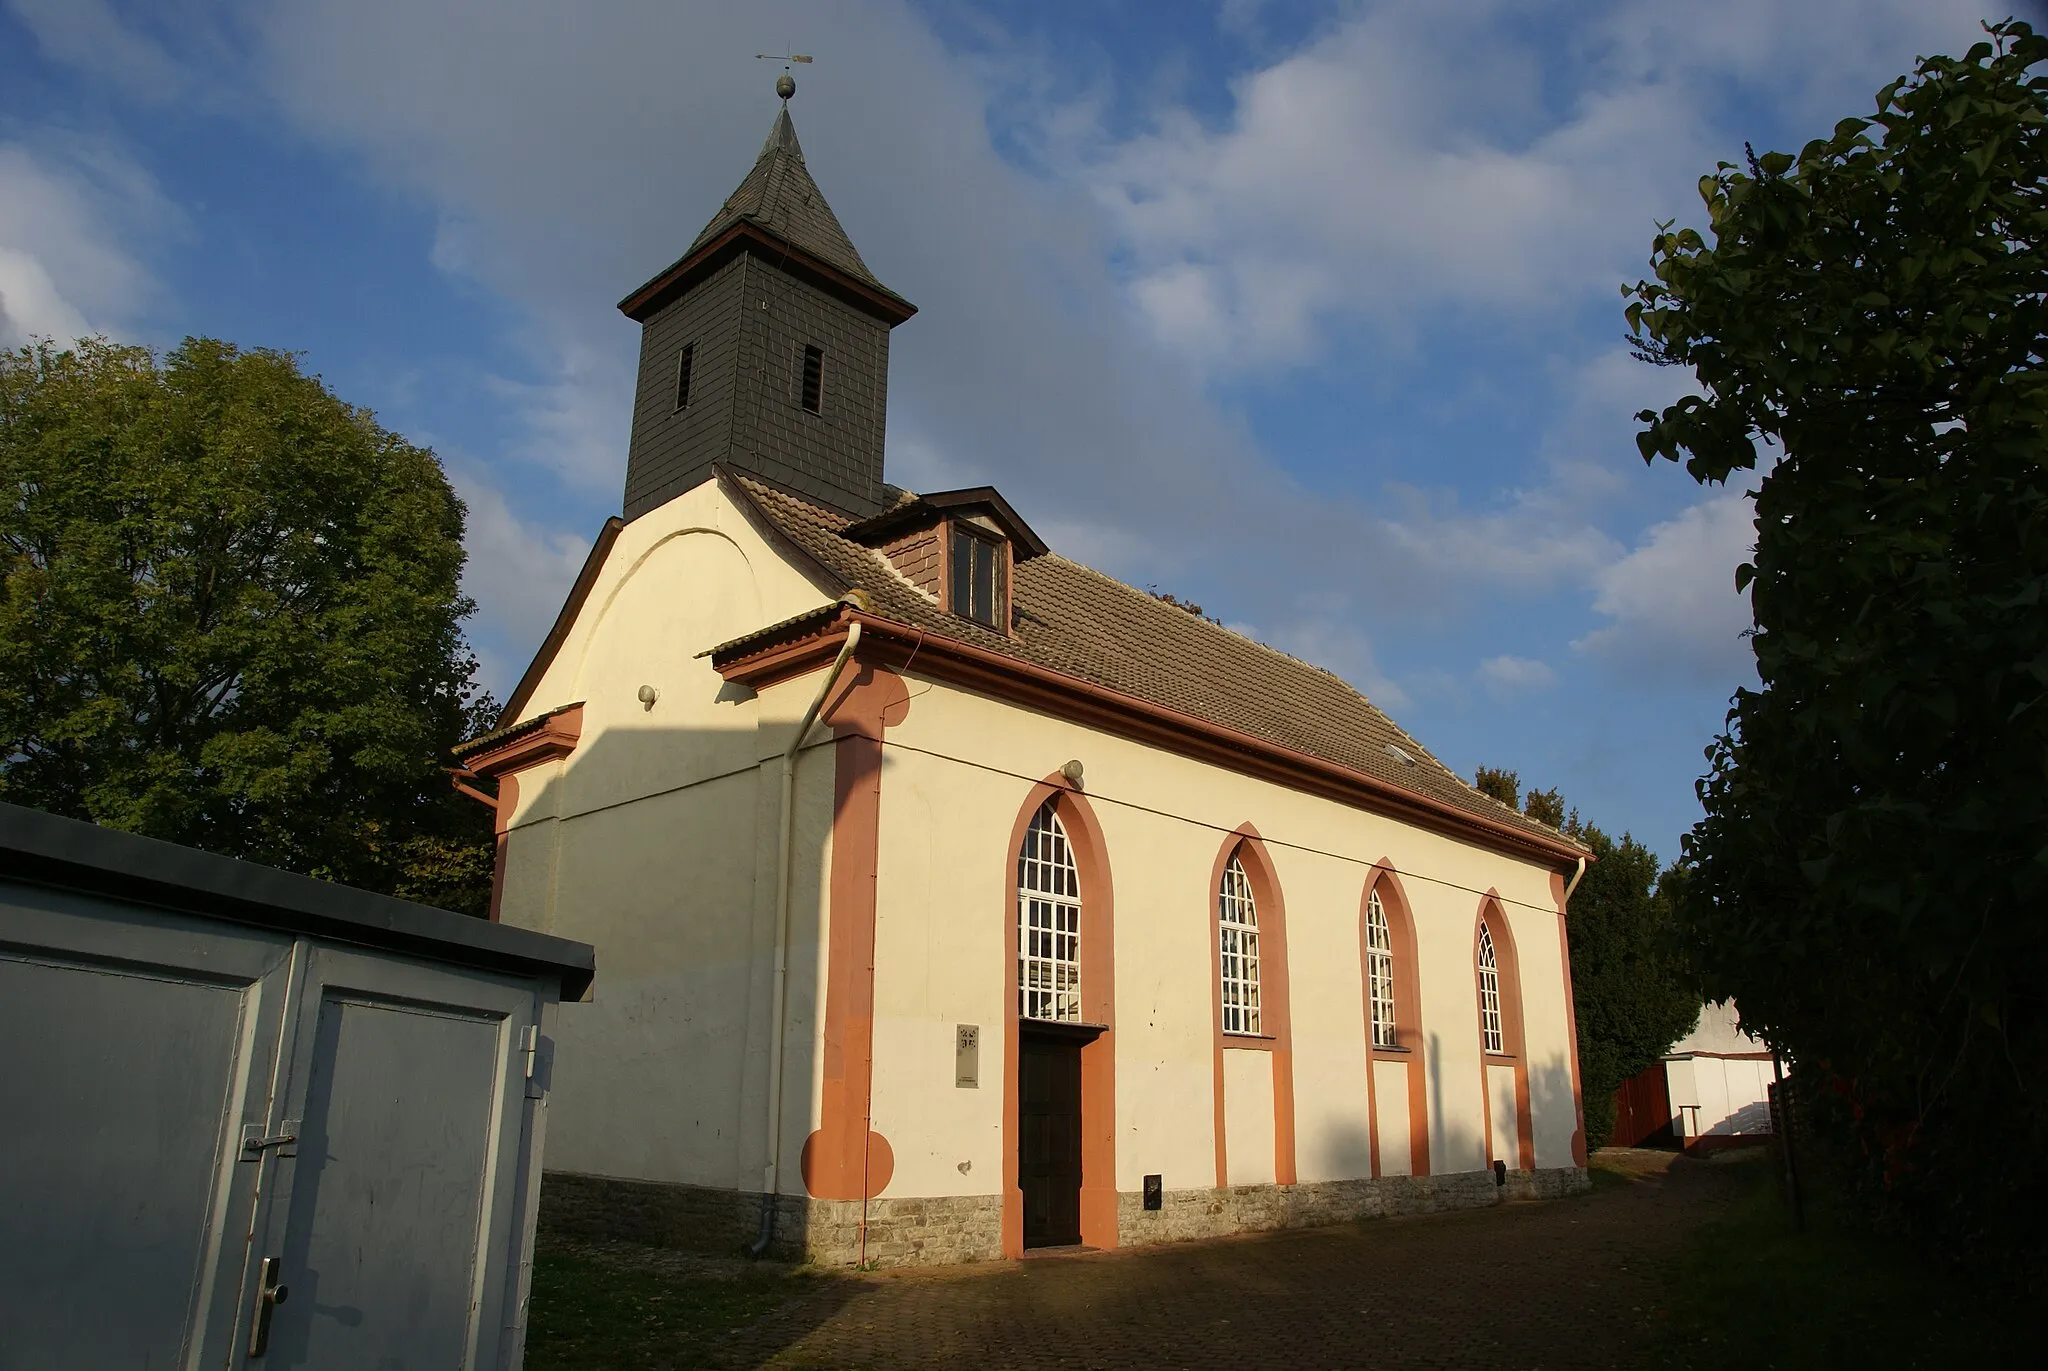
x=1568, y=1283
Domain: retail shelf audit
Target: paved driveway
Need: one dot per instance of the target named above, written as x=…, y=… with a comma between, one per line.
x=1571, y=1283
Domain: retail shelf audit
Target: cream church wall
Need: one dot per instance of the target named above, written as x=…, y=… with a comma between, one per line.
x=1332, y=1126
x=649, y=840
x=945, y=932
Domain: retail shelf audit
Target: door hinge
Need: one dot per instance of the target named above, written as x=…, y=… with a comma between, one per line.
x=530, y=1046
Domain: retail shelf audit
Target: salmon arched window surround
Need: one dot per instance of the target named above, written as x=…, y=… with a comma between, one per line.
x=1058, y=954
x=1393, y=1009
x=1248, y=984
x=1497, y=981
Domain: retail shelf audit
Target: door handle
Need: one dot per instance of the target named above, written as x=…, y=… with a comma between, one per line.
x=269, y=1295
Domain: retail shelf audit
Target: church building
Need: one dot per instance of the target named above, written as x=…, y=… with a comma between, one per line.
x=953, y=899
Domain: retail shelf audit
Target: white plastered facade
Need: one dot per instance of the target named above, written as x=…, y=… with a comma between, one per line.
x=655, y=840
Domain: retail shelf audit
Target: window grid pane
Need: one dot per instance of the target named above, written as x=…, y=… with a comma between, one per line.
x=977, y=579
x=1489, y=994
x=1048, y=923
x=1380, y=972
x=1237, y=923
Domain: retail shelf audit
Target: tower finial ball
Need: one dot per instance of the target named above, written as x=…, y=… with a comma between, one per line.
x=785, y=85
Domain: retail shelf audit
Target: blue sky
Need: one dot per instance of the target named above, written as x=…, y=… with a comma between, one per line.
x=1307, y=312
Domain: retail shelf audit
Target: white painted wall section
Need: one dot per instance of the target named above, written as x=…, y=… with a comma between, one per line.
x=1248, y=1115
x=1390, y=1097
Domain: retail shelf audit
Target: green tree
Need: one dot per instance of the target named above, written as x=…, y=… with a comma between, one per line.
x=231, y=616
x=1633, y=991
x=1868, y=880
x=1504, y=786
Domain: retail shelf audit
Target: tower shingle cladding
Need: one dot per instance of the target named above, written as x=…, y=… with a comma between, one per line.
x=749, y=322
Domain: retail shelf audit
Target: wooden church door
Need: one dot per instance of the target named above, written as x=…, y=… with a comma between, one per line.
x=1049, y=1138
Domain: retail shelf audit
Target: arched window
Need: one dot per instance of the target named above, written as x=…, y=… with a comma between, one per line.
x=1237, y=922
x=1379, y=941
x=1490, y=1033
x=1048, y=922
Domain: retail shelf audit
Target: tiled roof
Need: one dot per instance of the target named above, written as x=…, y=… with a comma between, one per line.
x=1082, y=623
x=780, y=196
x=484, y=742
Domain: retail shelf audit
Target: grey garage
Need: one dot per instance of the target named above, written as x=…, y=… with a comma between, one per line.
x=258, y=1120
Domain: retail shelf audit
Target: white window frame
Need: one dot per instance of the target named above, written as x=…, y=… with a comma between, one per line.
x=1491, y=1037
x=1237, y=950
x=1379, y=965
x=1048, y=922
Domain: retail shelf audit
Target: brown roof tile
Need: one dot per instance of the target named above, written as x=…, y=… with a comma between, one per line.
x=1080, y=622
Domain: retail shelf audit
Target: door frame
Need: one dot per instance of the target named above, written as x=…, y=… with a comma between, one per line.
x=1098, y=1009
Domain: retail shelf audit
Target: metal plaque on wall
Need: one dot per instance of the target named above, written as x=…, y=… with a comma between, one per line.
x=967, y=1056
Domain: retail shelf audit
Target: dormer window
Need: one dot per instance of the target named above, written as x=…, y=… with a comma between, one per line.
x=960, y=547
x=978, y=563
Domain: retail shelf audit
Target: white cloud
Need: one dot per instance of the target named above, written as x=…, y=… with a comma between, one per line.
x=1408, y=161
x=68, y=208
x=1506, y=674
x=1410, y=158
x=1672, y=601
x=89, y=34
x=518, y=573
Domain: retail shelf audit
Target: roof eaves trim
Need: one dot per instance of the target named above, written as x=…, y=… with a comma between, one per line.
x=747, y=235
x=539, y=739
x=797, y=647
x=69, y=854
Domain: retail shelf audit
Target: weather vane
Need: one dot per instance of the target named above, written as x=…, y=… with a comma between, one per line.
x=785, y=84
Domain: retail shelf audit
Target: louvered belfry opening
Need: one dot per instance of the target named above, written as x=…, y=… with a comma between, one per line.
x=733, y=346
x=814, y=378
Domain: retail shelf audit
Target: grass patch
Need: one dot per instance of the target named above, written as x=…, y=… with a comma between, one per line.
x=1750, y=1290
x=588, y=1313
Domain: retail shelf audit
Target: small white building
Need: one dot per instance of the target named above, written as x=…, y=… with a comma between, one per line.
x=1719, y=1080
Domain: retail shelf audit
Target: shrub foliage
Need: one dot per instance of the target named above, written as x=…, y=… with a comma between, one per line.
x=1868, y=881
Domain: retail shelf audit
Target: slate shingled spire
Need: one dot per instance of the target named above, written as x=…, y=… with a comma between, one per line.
x=783, y=333
x=780, y=197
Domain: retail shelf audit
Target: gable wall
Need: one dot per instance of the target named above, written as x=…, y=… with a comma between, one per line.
x=649, y=840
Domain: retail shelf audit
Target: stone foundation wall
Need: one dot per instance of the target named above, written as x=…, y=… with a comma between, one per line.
x=968, y=1228
x=908, y=1232
x=1214, y=1213
x=697, y=1218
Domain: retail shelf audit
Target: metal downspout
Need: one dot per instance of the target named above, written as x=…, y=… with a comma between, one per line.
x=772, y=1178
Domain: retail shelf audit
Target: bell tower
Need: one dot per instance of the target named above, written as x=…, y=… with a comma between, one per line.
x=766, y=347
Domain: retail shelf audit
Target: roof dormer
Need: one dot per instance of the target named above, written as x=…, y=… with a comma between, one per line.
x=958, y=546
